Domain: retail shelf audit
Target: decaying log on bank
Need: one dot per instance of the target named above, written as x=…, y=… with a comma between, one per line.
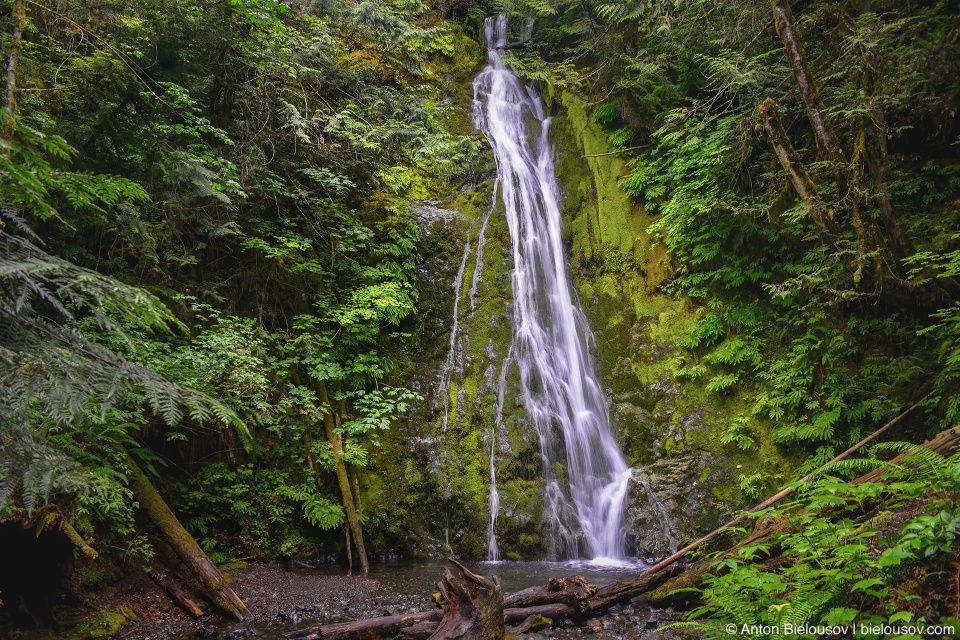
x=625, y=590
x=474, y=607
x=206, y=573
x=175, y=593
x=368, y=629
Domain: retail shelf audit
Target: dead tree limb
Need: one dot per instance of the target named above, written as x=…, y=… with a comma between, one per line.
x=175, y=593
x=613, y=153
x=78, y=540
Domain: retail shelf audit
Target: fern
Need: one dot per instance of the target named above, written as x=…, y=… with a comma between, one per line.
x=51, y=368
x=323, y=513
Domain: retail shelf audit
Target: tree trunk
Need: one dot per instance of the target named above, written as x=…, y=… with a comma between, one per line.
x=349, y=504
x=796, y=172
x=878, y=162
x=346, y=530
x=9, y=125
x=474, y=607
x=827, y=143
x=185, y=546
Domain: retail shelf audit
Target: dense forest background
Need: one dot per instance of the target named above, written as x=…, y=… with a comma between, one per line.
x=210, y=260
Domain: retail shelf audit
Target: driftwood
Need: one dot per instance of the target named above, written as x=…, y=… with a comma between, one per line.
x=366, y=629
x=571, y=590
x=530, y=624
x=175, y=593
x=474, y=608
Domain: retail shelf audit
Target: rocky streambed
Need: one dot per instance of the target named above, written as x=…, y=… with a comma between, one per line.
x=283, y=598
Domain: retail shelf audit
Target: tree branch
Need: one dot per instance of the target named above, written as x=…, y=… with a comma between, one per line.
x=611, y=153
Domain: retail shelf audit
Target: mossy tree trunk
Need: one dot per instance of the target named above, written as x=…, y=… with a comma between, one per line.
x=343, y=478
x=827, y=143
x=789, y=159
x=206, y=573
x=9, y=124
x=829, y=146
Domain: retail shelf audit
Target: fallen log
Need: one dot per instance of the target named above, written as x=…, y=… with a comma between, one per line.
x=556, y=612
x=782, y=494
x=625, y=590
x=419, y=631
x=366, y=629
x=175, y=593
x=570, y=590
x=206, y=573
x=529, y=619
x=474, y=608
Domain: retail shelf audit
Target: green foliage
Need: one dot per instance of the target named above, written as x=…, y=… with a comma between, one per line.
x=842, y=571
x=219, y=192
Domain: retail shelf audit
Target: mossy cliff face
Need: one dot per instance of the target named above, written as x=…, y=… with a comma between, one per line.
x=686, y=480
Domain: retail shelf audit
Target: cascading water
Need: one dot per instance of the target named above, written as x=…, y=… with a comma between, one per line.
x=560, y=390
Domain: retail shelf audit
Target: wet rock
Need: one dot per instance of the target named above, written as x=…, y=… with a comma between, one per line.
x=592, y=626
x=239, y=634
x=206, y=632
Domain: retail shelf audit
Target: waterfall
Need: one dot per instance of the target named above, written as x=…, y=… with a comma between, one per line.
x=584, y=472
x=493, y=502
x=454, y=354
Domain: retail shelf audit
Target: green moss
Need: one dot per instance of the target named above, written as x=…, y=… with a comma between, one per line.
x=99, y=624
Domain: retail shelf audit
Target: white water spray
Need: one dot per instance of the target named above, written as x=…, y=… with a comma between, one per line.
x=560, y=390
